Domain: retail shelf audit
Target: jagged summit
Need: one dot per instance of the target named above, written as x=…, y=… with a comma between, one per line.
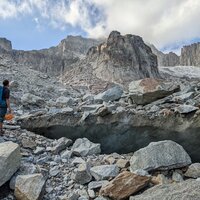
x=120, y=59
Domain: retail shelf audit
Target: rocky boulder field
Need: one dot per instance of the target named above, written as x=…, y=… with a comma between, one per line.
x=34, y=167
x=109, y=125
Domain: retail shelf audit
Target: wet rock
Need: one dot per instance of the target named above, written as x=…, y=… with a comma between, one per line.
x=83, y=147
x=82, y=174
x=111, y=94
x=160, y=155
x=104, y=172
x=124, y=185
x=184, y=190
x=10, y=159
x=29, y=187
x=148, y=90
x=184, y=109
x=193, y=171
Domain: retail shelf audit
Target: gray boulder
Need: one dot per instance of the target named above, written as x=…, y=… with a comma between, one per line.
x=184, y=109
x=10, y=159
x=104, y=172
x=61, y=144
x=193, y=171
x=147, y=90
x=111, y=94
x=186, y=190
x=83, y=175
x=29, y=187
x=30, y=99
x=83, y=147
x=160, y=155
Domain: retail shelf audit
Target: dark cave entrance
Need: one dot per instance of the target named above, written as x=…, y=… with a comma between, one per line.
x=122, y=138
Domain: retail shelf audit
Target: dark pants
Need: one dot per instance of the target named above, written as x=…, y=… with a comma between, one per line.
x=3, y=112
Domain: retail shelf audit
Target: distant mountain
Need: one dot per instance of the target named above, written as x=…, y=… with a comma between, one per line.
x=169, y=59
x=190, y=55
x=54, y=60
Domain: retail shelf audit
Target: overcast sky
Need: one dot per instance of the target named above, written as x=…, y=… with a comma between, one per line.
x=35, y=24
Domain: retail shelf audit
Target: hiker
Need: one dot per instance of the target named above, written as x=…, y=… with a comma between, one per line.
x=4, y=103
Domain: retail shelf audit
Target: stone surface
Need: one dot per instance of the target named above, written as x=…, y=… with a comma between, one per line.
x=190, y=55
x=169, y=59
x=10, y=159
x=186, y=190
x=29, y=187
x=184, y=109
x=124, y=185
x=83, y=147
x=193, y=171
x=83, y=175
x=61, y=144
x=97, y=184
x=111, y=94
x=160, y=155
x=177, y=177
x=148, y=90
x=103, y=172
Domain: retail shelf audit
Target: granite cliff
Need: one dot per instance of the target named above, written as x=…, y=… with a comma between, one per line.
x=120, y=59
x=169, y=59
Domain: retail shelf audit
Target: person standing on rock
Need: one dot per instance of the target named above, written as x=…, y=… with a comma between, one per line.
x=4, y=103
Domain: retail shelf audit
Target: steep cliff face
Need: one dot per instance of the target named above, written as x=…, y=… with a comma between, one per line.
x=121, y=59
x=54, y=60
x=5, y=44
x=169, y=59
x=190, y=55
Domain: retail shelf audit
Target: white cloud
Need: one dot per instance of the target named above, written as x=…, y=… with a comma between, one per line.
x=164, y=23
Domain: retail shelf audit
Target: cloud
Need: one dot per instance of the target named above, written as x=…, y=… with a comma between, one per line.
x=167, y=24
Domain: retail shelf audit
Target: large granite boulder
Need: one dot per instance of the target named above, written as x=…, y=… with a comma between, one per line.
x=148, y=90
x=186, y=190
x=160, y=155
x=29, y=187
x=124, y=185
x=83, y=147
x=10, y=159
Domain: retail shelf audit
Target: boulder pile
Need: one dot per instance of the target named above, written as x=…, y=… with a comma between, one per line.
x=62, y=169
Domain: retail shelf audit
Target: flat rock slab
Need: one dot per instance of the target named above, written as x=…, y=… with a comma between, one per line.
x=10, y=159
x=104, y=172
x=160, y=155
x=124, y=185
x=29, y=187
x=187, y=190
